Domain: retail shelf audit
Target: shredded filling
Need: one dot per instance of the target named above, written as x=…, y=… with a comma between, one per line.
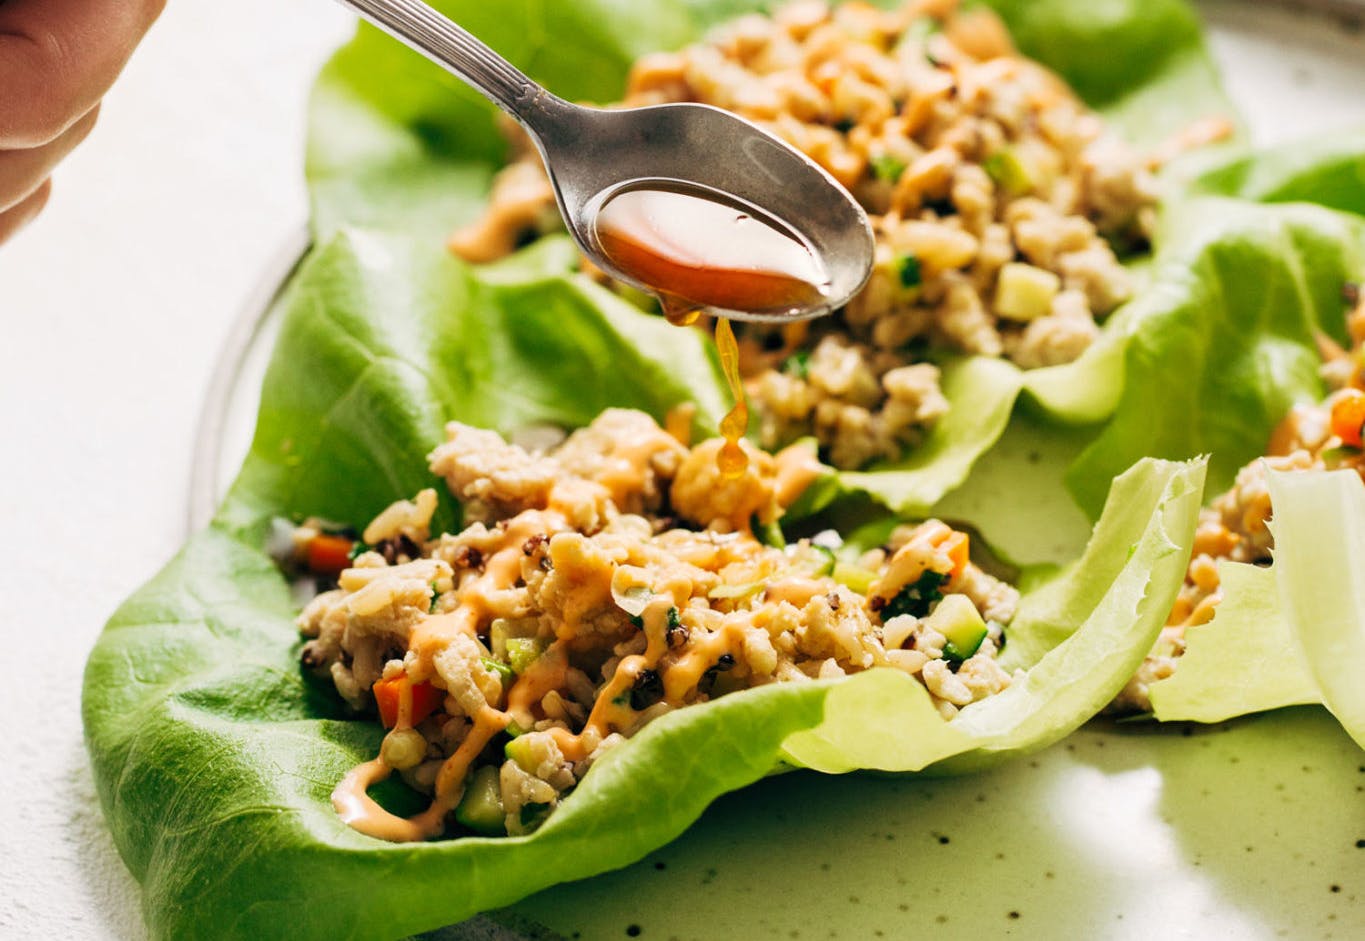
x=597, y=586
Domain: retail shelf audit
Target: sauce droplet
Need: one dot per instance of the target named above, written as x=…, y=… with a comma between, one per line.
x=696, y=250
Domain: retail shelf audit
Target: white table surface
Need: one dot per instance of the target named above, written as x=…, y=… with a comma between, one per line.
x=114, y=307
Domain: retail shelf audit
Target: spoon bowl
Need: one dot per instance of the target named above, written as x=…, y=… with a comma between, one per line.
x=592, y=154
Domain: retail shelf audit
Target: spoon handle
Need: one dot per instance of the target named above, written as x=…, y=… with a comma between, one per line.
x=455, y=49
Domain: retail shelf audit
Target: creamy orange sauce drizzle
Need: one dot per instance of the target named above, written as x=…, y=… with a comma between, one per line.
x=608, y=713
x=686, y=672
x=483, y=597
x=545, y=673
x=629, y=463
x=798, y=466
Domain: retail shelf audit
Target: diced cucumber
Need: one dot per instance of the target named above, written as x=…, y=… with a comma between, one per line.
x=523, y=651
x=735, y=592
x=957, y=619
x=497, y=638
x=1008, y=169
x=855, y=577
x=480, y=809
x=1025, y=292
x=519, y=750
x=811, y=559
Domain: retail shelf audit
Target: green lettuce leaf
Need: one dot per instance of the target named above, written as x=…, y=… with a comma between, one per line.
x=215, y=756
x=1319, y=530
x=1223, y=344
x=385, y=337
x=1245, y=660
x=1292, y=633
x=1327, y=170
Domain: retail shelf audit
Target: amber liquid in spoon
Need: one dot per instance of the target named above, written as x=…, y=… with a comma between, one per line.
x=697, y=250
x=700, y=251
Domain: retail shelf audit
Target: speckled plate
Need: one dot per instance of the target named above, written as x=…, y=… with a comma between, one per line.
x=1252, y=829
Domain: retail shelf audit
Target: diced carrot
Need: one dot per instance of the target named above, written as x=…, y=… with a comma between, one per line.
x=328, y=555
x=958, y=547
x=1348, y=417
x=388, y=696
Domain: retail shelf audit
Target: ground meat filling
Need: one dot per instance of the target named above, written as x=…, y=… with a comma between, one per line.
x=1233, y=526
x=506, y=657
x=995, y=195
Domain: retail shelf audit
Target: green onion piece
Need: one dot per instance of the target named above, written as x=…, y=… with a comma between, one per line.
x=887, y=167
x=908, y=269
x=503, y=671
x=797, y=364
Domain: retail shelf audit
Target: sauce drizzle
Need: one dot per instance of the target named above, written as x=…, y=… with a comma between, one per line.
x=732, y=460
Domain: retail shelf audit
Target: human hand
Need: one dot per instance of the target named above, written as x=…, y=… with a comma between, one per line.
x=57, y=59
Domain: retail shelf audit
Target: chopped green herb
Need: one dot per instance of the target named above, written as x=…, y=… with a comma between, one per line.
x=357, y=548
x=533, y=815
x=917, y=598
x=844, y=125
x=503, y=671
x=797, y=364
x=1008, y=171
x=909, y=270
x=674, y=619
x=770, y=534
x=435, y=597
x=887, y=167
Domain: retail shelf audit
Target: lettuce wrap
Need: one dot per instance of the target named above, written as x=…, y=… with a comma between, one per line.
x=397, y=144
x=215, y=757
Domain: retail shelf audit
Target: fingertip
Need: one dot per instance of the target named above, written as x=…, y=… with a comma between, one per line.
x=14, y=219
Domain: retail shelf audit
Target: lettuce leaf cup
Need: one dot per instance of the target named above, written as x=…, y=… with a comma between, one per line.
x=216, y=756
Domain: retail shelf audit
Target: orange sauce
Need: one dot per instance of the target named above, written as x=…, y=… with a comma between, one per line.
x=696, y=250
x=732, y=460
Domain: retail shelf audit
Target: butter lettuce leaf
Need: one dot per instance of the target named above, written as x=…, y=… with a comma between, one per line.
x=1328, y=170
x=395, y=142
x=1319, y=530
x=385, y=337
x=215, y=755
x=1245, y=660
x=1293, y=632
x=1223, y=344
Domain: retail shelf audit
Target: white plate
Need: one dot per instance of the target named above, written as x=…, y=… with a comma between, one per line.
x=1253, y=829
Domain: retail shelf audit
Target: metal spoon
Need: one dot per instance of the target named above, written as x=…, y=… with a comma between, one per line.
x=592, y=153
